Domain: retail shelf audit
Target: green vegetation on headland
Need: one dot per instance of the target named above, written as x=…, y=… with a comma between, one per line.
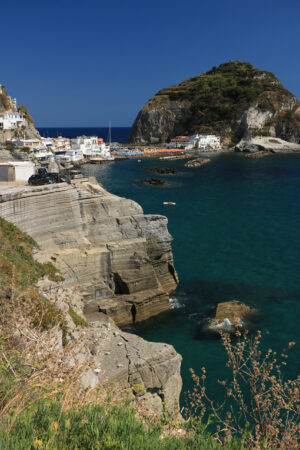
x=23, y=110
x=37, y=411
x=214, y=102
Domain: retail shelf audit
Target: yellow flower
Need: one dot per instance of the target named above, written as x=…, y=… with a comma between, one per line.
x=54, y=425
x=37, y=443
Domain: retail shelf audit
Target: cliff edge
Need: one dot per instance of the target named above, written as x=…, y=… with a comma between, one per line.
x=119, y=258
x=235, y=101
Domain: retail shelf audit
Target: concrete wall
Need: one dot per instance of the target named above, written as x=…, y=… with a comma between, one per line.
x=22, y=173
x=15, y=173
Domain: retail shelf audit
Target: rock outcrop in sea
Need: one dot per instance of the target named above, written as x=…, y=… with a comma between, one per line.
x=235, y=101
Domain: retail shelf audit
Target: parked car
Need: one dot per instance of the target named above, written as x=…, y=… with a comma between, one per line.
x=39, y=179
x=58, y=177
x=47, y=178
x=75, y=174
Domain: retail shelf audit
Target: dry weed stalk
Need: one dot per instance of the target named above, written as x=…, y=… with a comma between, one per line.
x=259, y=405
x=42, y=365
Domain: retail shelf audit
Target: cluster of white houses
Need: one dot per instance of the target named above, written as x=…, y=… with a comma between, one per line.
x=205, y=142
x=65, y=150
x=49, y=149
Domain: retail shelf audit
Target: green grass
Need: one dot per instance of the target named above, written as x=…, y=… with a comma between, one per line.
x=16, y=258
x=19, y=273
x=78, y=320
x=44, y=425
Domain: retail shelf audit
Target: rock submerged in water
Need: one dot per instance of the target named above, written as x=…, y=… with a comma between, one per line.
x=228, y=316
x=163, y=170
x=153, y=181
x=198, y=162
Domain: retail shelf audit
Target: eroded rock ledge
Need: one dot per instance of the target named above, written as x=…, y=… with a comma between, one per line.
x=119, y=258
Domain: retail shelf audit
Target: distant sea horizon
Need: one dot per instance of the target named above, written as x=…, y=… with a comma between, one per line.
x=118, y=134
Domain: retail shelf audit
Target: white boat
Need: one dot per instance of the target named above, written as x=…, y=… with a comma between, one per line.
x=169, y=203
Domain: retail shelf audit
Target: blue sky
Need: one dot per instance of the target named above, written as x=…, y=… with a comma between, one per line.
x=83, y=63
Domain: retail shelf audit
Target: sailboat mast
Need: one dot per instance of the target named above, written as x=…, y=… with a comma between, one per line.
x=109, y=132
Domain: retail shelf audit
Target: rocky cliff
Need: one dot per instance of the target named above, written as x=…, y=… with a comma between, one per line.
x=235, y=100
x=119, y=258
x=149, y=370
x=28, y=130
x=42, y=324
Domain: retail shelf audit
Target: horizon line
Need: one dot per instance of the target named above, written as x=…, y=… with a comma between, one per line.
x=81, y=126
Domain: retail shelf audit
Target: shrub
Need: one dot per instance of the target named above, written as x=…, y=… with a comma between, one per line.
x=259, y=407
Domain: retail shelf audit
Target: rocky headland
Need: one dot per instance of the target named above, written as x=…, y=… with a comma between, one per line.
x=26, y=130
x=118, y=269
x=235, y=101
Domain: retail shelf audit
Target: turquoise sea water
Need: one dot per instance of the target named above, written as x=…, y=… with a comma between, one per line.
x=236, y=229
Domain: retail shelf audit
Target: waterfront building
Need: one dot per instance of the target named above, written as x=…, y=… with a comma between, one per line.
x=61, y=143
x=70, y=156
x=42, y=154
x=179, y=142
x=180, y=139
x=204, y=142
x=92, y=146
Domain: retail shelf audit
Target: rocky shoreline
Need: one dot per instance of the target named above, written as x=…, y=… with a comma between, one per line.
x=118, y=269
x=268, y=144
x=198, y=162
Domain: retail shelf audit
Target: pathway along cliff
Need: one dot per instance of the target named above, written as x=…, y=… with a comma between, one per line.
x=118, y=265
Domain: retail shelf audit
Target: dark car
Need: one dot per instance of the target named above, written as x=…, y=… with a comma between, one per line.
x=47, y=178
x=39, y=179
x=58, y=177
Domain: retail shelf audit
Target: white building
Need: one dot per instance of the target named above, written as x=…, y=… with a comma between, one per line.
x=71, y=156
x=48, y=143
x=61, y=143
x=16, y=170
x=42, y=154
x=205, y=142
x=92, y=147
x=10, y=120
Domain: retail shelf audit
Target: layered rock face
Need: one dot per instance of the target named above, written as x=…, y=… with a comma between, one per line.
x=234, y=100
x=111, y=355
x=119, y=258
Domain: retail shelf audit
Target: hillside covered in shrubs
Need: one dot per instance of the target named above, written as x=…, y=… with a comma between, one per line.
x=231, y=100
